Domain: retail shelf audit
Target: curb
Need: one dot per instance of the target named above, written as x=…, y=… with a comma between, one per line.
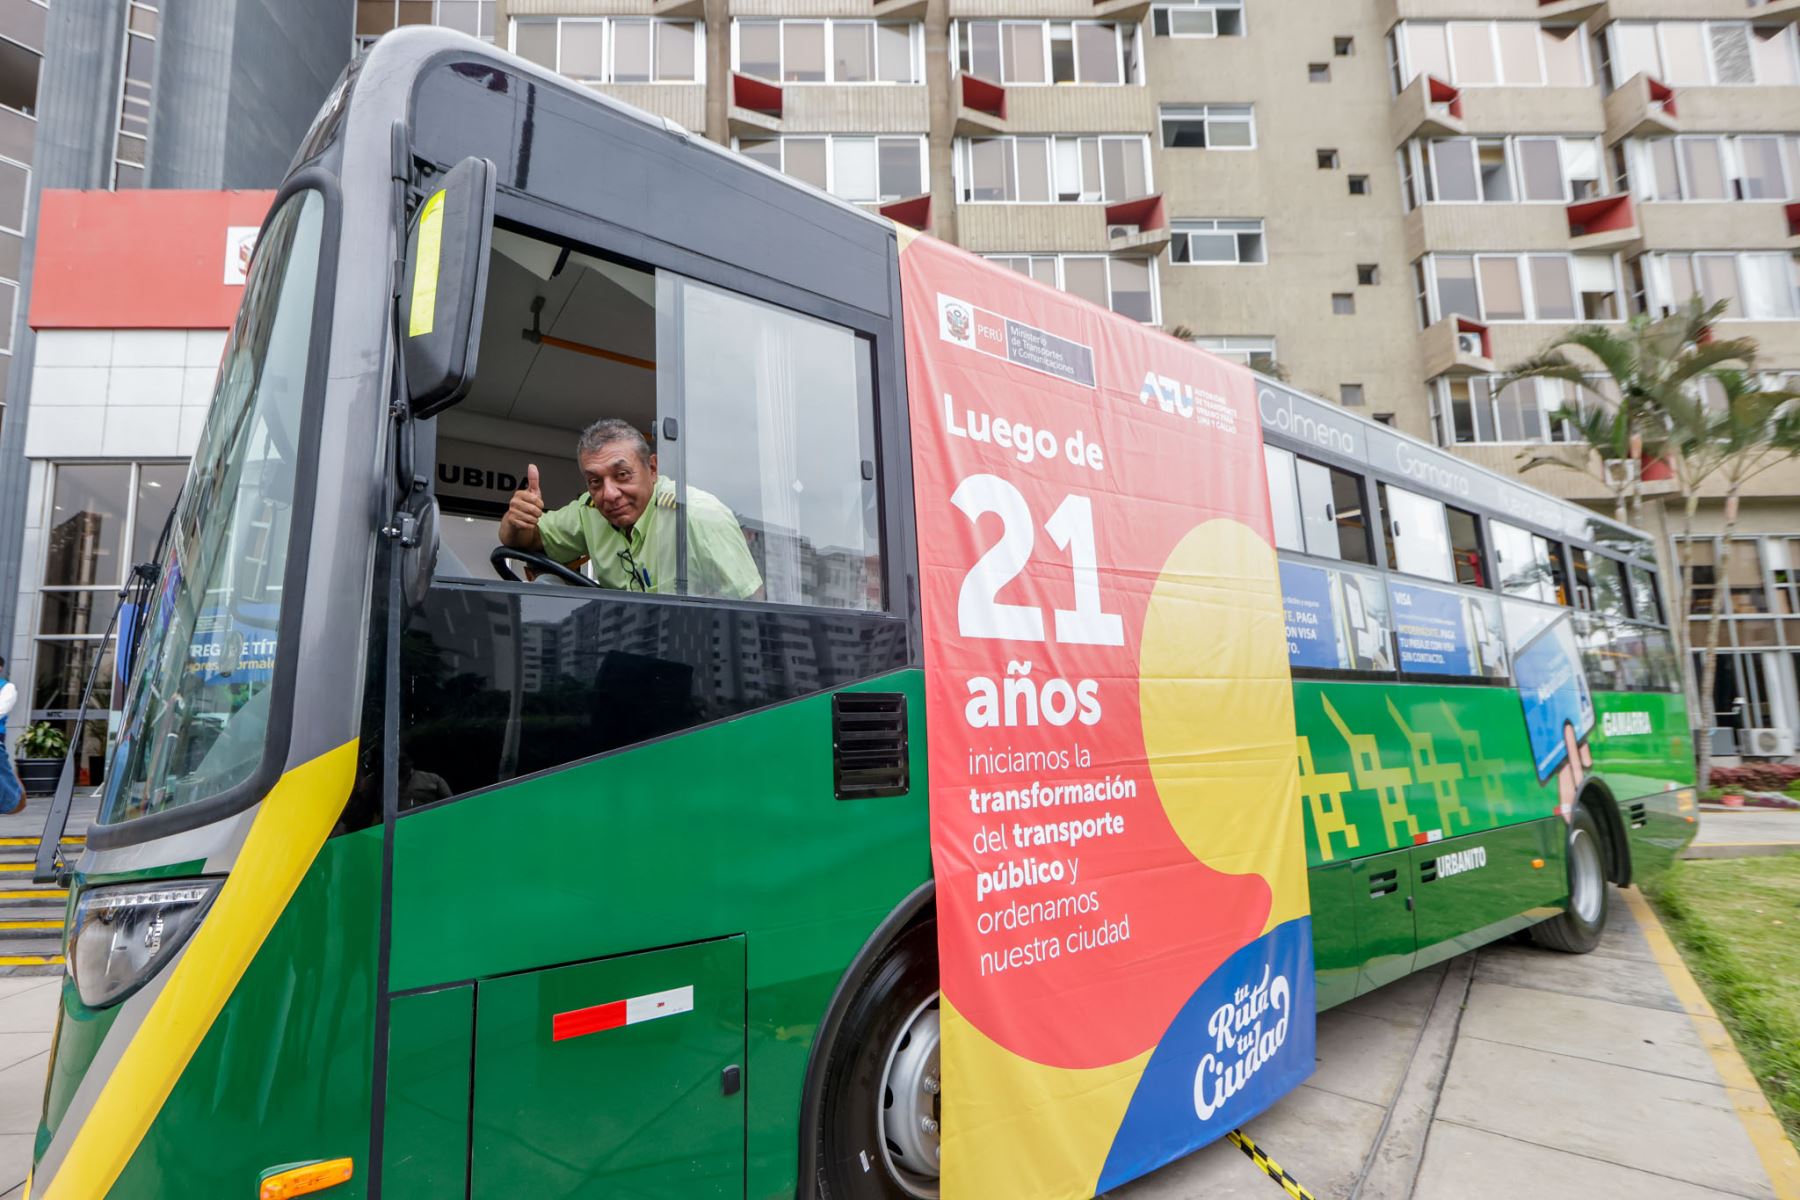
x=1779, y=1158
x=1738, y=849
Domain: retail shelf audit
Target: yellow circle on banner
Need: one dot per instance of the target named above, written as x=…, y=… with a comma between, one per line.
x=1218, y=710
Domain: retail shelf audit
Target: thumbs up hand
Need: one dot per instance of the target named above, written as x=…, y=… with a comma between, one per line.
x=518, y=528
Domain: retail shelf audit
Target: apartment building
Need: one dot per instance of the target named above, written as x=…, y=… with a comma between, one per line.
x=1386, y=202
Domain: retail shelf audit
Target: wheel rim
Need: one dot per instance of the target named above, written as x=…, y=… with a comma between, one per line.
x=1584, y=876
x=911, y=1104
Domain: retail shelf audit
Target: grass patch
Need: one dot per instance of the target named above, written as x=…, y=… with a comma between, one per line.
x=1737, y=922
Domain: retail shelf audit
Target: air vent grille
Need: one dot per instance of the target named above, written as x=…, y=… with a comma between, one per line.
x=1638, y=813
x=868, y=744
x=1384, y=883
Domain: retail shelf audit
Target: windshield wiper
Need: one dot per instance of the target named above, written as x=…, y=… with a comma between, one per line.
x=50, y=866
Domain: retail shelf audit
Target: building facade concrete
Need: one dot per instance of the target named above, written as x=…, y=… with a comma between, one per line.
x=1385, y=202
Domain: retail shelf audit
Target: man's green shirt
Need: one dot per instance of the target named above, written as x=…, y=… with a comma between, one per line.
x=643, y=560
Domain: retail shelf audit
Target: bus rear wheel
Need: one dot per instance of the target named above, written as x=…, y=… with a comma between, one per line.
x=1577, y=929
x=881, y=1103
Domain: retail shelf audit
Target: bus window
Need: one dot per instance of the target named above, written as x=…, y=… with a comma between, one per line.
x=779, y=419
x=1551, y=555
x=1609, y=587
x=1333, y=513
x=1520, y=573
x=1284, y=501
x=1418, y=542
x=1466, y=555
x=1646, y=598
x=1584, y=580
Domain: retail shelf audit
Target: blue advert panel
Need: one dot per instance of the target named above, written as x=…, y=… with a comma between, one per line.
x=1559, y=710
x=1306, y=599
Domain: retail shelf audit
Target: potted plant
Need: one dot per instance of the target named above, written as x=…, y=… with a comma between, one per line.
x=41, y=750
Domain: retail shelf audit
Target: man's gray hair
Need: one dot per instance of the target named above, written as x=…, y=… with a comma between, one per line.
x=608, y=430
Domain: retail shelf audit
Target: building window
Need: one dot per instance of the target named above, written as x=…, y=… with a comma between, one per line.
x=1125, y=285
x=1195, y=242
x=103, y=518
x=19, y=68
x=1755, y=285
x=1500, y=170
x=614, y=49
x=1703, y=53
x=1490, y=54
x=1350, y=395
x=1043, y=170
x=1198, y=18
x=859, y=169
x=1018, y=53
x=132, y=134
x=1343, y=47
x=1208, y=126
x=1318, y=72
x=1522, y=287
x=376, y=17
x=1469, y=409
x=1359, y=185
x=1257, y=353
x=1713, y=167
x=1343, y=304
x=1327, y=159
x=828, y=51
x=1367, y=274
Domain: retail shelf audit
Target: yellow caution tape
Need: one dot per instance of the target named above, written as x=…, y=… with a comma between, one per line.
x=1270, y=1167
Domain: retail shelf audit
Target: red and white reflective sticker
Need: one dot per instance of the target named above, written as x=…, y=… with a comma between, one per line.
x=631, y=1011
x=1421, y=839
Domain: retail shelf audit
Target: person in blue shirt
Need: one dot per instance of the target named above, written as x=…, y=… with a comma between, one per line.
x=12, y=792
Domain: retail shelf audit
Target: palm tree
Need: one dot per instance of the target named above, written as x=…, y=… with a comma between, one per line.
x=1648, y=362
x=1743, y=432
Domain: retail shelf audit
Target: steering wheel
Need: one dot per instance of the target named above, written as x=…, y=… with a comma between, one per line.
x=501, y=553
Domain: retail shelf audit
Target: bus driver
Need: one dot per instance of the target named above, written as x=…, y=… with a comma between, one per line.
x=620, y=526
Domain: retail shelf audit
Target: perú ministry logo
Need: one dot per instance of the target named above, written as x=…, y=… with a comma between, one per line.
x=955, y=321
x=1246, y=1034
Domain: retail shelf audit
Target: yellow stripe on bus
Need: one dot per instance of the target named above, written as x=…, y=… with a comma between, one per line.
x=283, y=841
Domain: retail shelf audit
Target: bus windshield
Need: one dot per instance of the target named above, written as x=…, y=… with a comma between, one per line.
x=196, y=711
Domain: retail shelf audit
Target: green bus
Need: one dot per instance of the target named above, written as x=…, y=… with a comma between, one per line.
x=339, y=878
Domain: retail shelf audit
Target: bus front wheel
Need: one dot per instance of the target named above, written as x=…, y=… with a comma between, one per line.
x=1577, y=929
x=881, y=1103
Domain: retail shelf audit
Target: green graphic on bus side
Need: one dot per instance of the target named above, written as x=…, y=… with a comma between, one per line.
x=1382, y=764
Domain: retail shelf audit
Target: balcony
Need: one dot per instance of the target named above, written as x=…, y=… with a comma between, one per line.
x=1792, y=213
x=1131, y=11
x=981, y=107
x=898, y=10
x=1605, y=223
x=914, y=212
x=1777, y=12
x=1643, y=107
x=1427, y=107
x=1456, y=346
x=1572, y=12
x=755, y=106
x=1137, y=228
x=691, y=9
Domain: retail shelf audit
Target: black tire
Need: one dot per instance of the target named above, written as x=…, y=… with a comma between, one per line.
x=852, y=1164
x=1577, y=929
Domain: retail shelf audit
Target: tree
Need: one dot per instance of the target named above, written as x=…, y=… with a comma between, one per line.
x=1648, y=362
x=1739, y=434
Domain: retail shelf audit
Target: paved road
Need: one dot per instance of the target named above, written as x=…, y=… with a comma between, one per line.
x=1508, y=1071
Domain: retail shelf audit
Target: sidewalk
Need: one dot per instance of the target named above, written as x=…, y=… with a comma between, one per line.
x=1515, y=1071
x=1742, y=832
x=27, y=1016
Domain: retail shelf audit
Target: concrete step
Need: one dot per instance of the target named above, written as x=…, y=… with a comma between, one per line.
x=35, y=896
x=29, y=956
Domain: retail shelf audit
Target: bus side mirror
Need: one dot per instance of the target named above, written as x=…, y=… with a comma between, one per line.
x=445, y=287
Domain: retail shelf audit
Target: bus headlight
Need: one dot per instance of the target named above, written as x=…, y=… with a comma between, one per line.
x=121, y=935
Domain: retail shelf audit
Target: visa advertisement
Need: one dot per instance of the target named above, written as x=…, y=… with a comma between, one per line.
x=1124, y=939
